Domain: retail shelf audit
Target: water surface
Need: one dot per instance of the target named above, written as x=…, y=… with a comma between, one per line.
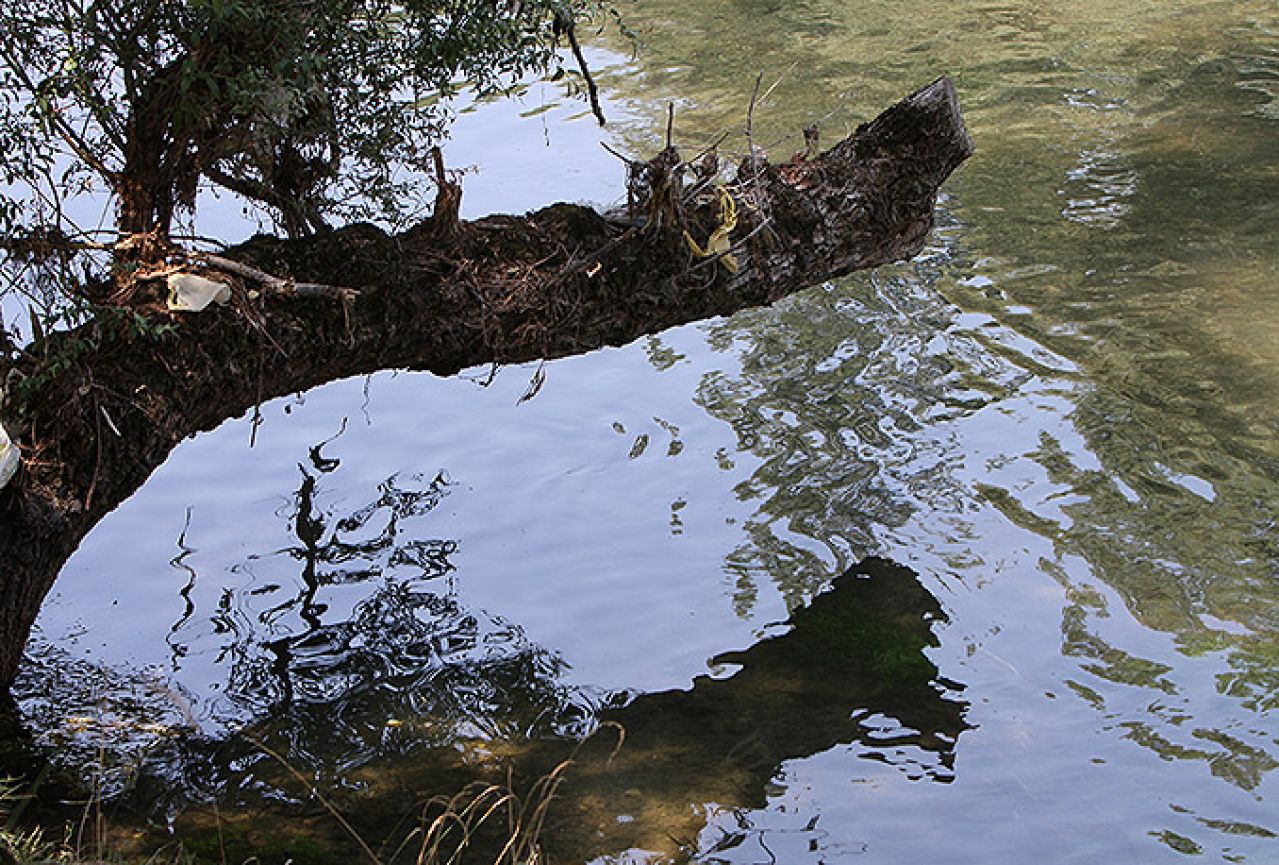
x=1062, y=416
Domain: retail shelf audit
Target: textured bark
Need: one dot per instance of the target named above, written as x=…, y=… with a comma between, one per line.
x=442, y=297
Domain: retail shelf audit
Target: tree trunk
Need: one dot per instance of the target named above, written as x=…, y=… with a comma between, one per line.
x=161, y=164
x=560, y=281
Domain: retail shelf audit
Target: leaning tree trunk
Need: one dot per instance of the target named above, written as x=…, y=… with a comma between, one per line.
x=442, y=297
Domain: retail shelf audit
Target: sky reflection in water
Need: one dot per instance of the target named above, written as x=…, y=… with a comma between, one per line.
x=1062, y=416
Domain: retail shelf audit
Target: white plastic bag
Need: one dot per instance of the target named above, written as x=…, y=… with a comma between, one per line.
x=9, y=458
x=191, y=293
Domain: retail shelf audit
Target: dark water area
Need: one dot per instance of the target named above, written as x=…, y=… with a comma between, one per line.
x=1057, y=429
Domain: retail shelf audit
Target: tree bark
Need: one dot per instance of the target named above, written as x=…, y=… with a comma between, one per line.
x=96, y=410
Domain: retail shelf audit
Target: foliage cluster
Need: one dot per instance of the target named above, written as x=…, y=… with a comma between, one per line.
x=314, y=110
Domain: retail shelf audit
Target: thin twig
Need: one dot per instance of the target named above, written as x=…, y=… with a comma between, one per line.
x=97, y=458
x=780, y=79
x=592, y=91
x=597, y=254
x=617, y=153
x=256, y=421
x=196, y=238
x=115, y=429
x=819, y=122
x=78, y=145
x=217, y=816
x=750, y=142
x=277, y=284
x=713, y=146
x=750, y=117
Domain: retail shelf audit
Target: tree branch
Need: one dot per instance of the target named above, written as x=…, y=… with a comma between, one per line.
x=507, y=289
x=568, y=26
x=274, y=284
x=81, y=148
x=256, y=190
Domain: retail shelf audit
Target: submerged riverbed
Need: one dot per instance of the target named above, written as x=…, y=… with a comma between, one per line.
x=1062, y=418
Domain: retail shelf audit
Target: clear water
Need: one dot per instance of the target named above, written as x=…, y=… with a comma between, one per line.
x=1063, y=415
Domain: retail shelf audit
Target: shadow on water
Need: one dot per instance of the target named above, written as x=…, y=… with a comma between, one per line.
x=404, y=694
x=850, y=671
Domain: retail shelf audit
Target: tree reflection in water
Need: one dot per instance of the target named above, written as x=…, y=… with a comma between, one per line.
x=404, y=649
x=399, y=692
x=849, y=672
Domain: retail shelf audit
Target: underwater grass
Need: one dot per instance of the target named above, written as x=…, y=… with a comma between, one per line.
x=466, y=827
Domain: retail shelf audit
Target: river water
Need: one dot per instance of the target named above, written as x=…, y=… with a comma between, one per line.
x=1063, y=417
